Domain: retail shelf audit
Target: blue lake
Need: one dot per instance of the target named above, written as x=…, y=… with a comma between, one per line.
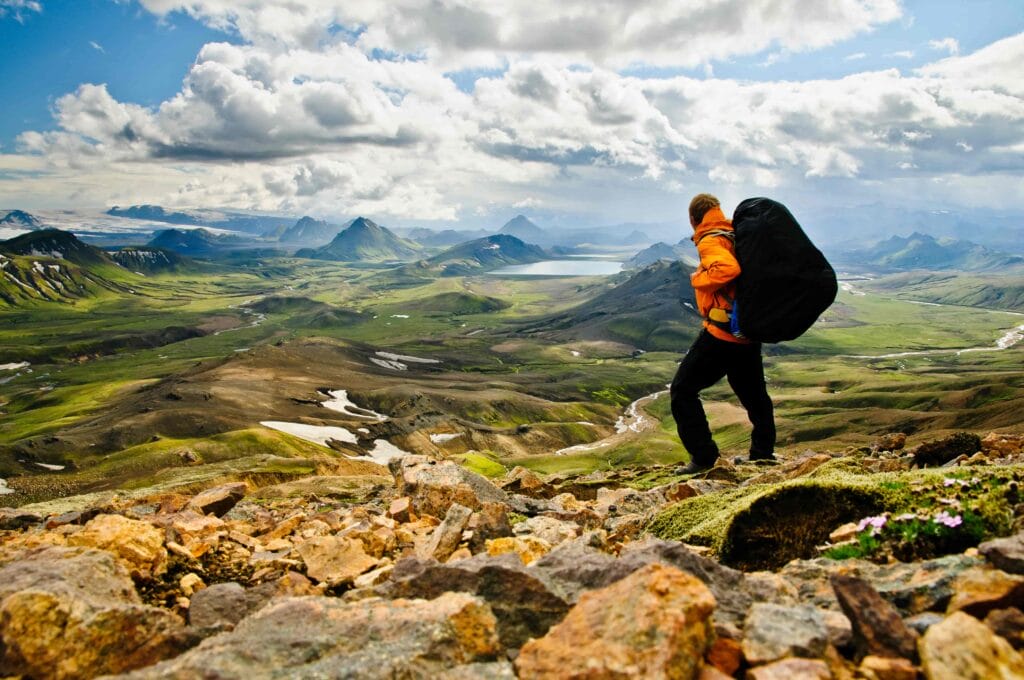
x=561, y=268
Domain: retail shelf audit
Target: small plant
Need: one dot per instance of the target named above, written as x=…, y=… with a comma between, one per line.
x=912, y=536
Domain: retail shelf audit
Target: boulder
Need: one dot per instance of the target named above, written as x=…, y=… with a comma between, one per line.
x=1005, y=553
x=448, y=534
x=139, y=545
x=13, y=519
x=877, y=627
x=774, y=632
x=941, y=451
x=221, y=603
x=527, y=548
x=400, y=509
x=792, y=669
x=548, y=529
x=524, y=603
x=894, y=441
x=886, y=668
x=963, y=648
x=218, y=500
x=74, y=612
x=333, y=560
x=654, y=623
x=321, y=637
x=490, y=522
x=996, y=445
x=979, y=591
x=433, y=485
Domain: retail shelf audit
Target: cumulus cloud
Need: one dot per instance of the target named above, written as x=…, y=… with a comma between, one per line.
x=607, y=32
x=297, y=118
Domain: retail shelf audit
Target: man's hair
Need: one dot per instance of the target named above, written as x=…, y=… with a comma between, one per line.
x=699, y=206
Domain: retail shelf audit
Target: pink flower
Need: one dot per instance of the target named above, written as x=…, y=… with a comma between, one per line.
x=876, y=524
x=948, y=520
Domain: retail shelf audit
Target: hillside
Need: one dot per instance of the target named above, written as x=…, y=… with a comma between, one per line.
x=991, y=292
x=149, y=260
x=652, y=309
x=61, y=245
x=311, y=232
x=194, y=241
x=473, y=257
x=363, y=241
x=921, y=251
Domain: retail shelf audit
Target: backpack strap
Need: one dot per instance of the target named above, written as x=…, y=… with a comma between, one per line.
x=728, y=233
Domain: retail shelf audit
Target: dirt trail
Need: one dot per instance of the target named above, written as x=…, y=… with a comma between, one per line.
x=634, y=421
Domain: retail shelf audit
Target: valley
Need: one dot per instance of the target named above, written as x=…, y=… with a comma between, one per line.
x=128, y=387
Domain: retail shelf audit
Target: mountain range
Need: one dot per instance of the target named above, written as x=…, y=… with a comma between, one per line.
x=252, y=224
x=921, y=251
x=364, y=241
x=195, y=241
x=656, y=252
x=472, y=257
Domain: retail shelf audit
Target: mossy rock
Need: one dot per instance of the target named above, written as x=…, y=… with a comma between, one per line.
x=766, y=526
x=755, y=528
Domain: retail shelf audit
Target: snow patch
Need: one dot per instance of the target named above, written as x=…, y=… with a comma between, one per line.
x=399, y=316
x=574, y=353
x=442, y=438
x=50, y=466
x=404, y=357
x=340, y=402
x=318, y=434
x=393, y=365
x=14, y=367
x=4, y=489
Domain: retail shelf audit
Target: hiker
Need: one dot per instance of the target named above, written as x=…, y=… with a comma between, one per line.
x=717, y=353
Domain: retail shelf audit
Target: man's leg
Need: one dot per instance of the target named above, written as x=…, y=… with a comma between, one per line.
x=701, y=367
x=746, y=377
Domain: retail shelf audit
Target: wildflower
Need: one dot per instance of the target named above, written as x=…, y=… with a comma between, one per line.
x=951, y=521
x=949, y=481
x=905, y=517
x=876, y=524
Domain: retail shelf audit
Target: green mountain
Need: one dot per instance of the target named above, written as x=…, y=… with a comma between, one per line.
x=55, y=266
x=949, y=288
x=472, y=257
x=652, y=309
x=921, y=251
x=149, y=260
x=310, y=231
x=194, y=241
x=364, y=241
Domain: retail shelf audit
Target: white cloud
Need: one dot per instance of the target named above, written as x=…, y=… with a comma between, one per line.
x=856, y=56
x=902, y=54
x=17, y=9
x=607, y=32
x=323, y=127
x=96, y=46
x=950, y=45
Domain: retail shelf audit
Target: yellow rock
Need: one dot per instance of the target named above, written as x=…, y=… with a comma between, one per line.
x=528, y=548
x=140, y=546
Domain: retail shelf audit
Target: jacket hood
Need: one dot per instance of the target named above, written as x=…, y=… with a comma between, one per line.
x=713, y=219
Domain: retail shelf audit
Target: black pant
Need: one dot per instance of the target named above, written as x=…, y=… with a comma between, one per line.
x=707, y=361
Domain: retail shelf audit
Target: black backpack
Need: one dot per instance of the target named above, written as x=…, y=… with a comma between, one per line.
x=785, y=282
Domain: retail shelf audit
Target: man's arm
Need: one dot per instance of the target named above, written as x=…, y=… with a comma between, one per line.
x=718, y=265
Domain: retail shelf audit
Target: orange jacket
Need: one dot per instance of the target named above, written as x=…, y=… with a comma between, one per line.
x=714, y=281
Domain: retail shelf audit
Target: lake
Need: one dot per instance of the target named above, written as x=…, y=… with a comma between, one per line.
x=561, y=268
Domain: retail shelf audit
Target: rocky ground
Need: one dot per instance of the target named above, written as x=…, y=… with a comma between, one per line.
x=881, y=563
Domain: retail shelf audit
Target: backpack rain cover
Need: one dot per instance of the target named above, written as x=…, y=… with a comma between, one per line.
x=785, y=282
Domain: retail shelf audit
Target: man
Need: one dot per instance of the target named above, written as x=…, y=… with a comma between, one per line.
x=717, y=352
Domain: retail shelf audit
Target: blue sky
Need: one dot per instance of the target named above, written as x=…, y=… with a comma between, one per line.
x=120, y=102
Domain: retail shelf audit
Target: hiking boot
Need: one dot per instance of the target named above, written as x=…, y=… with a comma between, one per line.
x=694, y=467
x=757, y=455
